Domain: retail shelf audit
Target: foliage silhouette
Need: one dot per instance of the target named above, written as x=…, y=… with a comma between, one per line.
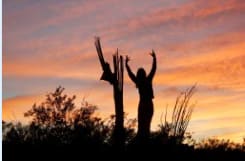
x=215, y=144
x=58, y=122
x=181, y=115
x=78, y=133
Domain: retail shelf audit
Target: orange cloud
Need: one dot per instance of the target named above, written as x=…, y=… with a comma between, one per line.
x=224, y=68
x=13, y=108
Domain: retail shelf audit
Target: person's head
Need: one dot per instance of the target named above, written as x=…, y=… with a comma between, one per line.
x=141, y=74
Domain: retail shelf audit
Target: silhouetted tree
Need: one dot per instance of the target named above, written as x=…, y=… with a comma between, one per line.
x=116, y=79
x=58, y=121
x=54, y=111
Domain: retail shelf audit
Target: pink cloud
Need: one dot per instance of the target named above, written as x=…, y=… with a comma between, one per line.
x=188, y=17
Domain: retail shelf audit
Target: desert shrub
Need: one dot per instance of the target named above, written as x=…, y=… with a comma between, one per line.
x=214, y=144
x=174, y=132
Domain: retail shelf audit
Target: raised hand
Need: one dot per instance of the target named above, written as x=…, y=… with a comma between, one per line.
x=153, y=53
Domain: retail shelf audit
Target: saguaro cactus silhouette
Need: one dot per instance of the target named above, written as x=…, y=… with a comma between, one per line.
x=116, y=80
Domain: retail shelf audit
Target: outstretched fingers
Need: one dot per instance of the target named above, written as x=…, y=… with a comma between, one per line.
x=153, y=53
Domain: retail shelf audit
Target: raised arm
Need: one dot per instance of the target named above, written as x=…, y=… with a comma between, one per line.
x=154, y=65
x=130, y=73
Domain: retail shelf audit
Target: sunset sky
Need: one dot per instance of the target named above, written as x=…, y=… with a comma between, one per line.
x=51, y=42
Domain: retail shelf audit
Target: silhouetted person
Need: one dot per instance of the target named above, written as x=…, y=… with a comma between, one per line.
x=145, y=108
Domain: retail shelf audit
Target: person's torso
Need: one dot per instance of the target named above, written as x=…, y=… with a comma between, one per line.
x=145, y=89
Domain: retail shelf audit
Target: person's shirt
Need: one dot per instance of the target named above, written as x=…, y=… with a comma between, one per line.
x=145, y=88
